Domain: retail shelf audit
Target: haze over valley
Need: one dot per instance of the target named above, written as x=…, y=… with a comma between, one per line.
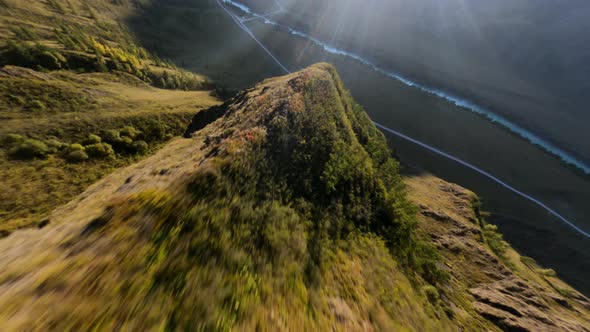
x=294, y=165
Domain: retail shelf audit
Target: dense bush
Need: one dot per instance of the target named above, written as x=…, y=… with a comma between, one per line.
x=114, y=138
x=178, y=79
x=30, y=149
x=129, y=131
x=324, y=164
x=12, y=139
x=92, y=139
x=95, y=52
x=31, y=56
x=431, y=294
x=122, y=140
x=100, y=151
x=75, y=147
x=21, y=148
x=139, y=147
x=125, y=145
x=77, y=156
x=54, y=145
x=111, y=136
x=155, y=131
x=495, y=240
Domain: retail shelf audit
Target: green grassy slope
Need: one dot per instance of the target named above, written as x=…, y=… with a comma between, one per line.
x=287, y=213
x=70, y=69
x=293, y=210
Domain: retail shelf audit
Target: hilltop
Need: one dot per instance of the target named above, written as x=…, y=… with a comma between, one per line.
x=284, y=209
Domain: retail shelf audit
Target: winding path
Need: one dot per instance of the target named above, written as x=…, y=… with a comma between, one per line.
x=457, y=101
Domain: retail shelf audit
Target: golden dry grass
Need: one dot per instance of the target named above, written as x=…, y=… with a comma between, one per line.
x=33, y=188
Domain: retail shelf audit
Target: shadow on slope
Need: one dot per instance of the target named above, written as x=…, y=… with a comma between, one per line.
x=200, y=36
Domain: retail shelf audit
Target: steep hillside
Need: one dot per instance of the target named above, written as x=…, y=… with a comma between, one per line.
x=284, y=210
x=509, y=290
x=79, y=97
x=526, y=60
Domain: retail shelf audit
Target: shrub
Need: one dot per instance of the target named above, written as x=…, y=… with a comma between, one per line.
x=12, y=139
x=119, y=143
x=155, y=131
x=50, y=60
x=77, y=156
x=100, y=151
x=139, y=147
x=31, y=56
x=92, y=139
x=125, y=145
x=30, y=149
x=129, y=131
x=177, y=79
x=75, y=147
x=495, y=240
x=431, y=294
x=425, y=260
x=548, y=272
x=54, y=145
x=528, y=261
x=85, y=62
x=111, y=136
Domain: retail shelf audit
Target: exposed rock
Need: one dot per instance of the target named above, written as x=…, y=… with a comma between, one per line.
x=204, y=118
x=43, y=223
x=500, y=295
x=436, y=215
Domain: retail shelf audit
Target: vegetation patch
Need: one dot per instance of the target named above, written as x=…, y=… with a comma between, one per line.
x=490, y=234
x=32, y=96
x=76, y=102
x=303, y=213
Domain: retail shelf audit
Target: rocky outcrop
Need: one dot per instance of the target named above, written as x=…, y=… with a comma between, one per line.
x=205, y=118
x=513, y=305
x=508, y=293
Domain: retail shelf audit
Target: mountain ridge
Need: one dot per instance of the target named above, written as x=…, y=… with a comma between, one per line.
x=284, y=210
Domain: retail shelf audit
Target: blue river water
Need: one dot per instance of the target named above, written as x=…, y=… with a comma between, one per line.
x=453, y=99
x=456, y=100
